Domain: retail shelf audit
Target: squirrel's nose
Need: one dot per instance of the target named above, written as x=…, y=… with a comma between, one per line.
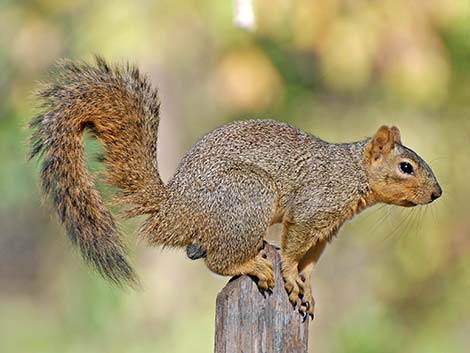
x=436, y=194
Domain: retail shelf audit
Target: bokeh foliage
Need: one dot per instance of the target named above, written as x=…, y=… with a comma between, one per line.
x=397, y=280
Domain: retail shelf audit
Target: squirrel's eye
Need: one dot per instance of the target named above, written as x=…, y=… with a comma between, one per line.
x=406, y=168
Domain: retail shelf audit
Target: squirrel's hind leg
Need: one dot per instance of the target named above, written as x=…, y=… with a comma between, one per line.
x=235, y=254
x=258, y=266
x=236, y=202
x=239, y=218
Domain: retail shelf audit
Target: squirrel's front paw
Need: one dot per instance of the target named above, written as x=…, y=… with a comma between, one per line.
x=307, y=304
x=293, y=283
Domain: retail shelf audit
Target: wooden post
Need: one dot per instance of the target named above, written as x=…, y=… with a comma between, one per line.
x=251, y=322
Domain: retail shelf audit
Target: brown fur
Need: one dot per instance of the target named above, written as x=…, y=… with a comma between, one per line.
x=122, y=110
x=230, y=186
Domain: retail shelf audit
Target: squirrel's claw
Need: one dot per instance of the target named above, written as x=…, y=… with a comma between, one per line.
x=265, y=285
x=304, y=314
x=304, y=309
x=307, y=304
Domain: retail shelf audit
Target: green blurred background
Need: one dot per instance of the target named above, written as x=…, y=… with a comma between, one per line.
x=396, y=280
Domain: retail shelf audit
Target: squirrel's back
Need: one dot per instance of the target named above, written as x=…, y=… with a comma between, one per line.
x=287, y=155
x=270, y=145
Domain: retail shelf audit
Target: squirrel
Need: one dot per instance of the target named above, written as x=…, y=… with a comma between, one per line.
x=229, y=188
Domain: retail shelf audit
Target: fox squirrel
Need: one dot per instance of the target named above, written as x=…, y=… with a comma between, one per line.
x=229, y=188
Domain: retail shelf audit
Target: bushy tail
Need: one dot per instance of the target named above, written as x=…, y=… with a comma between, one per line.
x=122, y=110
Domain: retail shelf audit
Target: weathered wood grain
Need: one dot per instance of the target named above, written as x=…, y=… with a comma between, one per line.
x=248, y=321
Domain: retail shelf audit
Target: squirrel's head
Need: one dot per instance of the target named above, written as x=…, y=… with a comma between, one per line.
x=397, y=175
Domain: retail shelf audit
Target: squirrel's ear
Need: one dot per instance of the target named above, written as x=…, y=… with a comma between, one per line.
x=396, y=134
x=382, y=142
